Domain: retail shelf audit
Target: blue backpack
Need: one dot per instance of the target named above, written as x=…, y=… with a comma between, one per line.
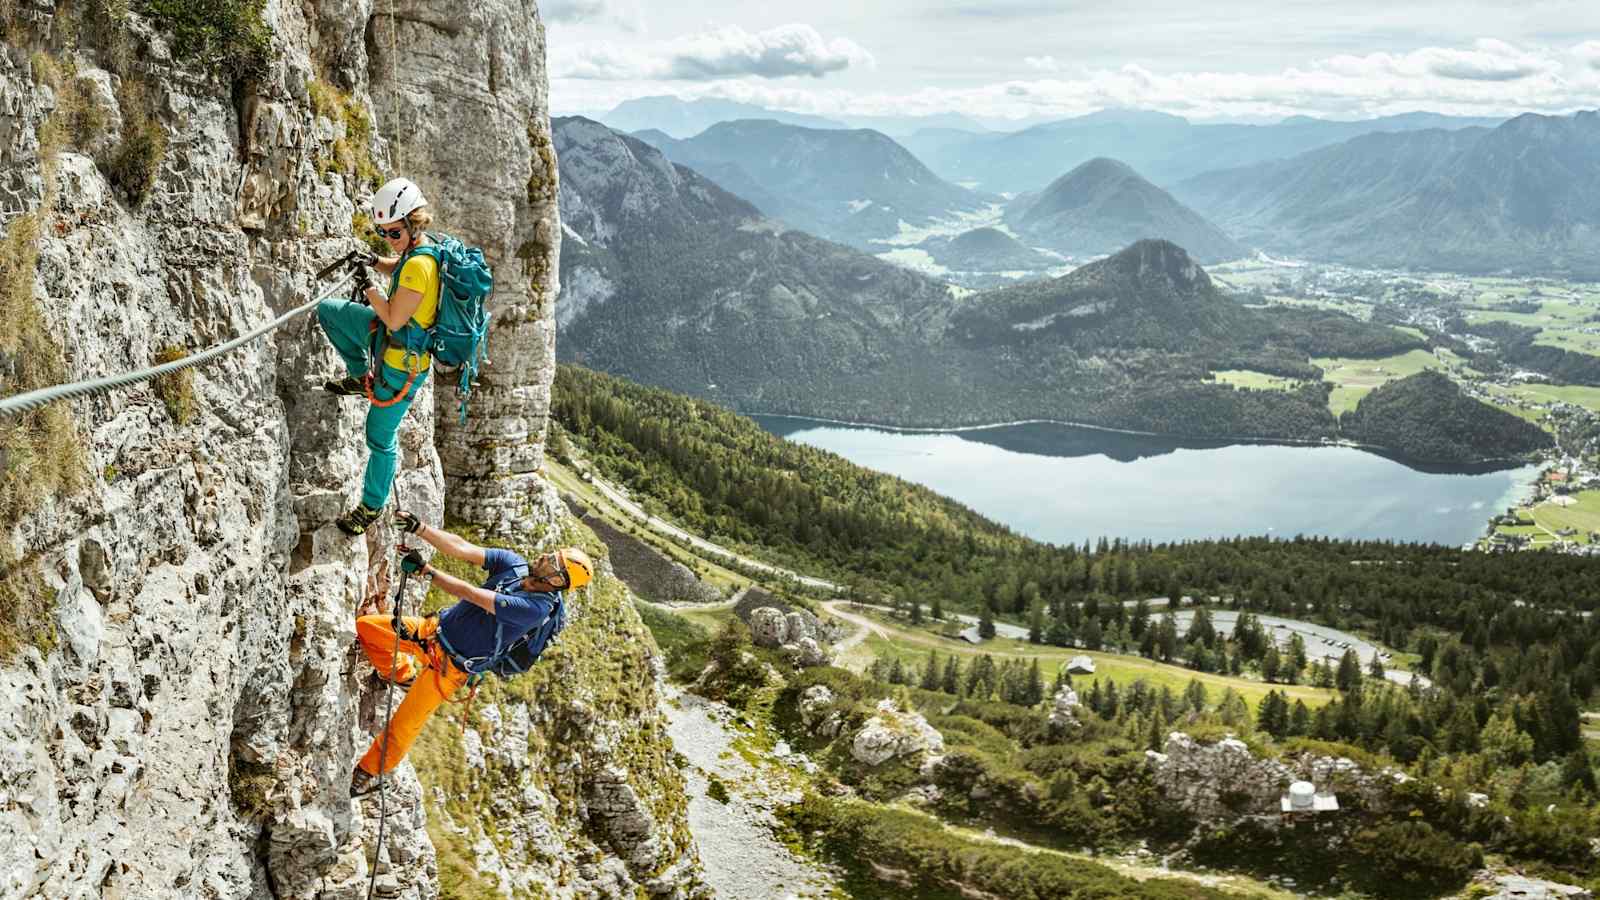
x=516, y=657
x=459, y=336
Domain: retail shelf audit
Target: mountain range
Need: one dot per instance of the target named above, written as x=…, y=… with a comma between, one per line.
x=1165, y=148
x=1103, y=205
x=1521, y=197
x=856, y=186
x=687, y=118
x=672, y=281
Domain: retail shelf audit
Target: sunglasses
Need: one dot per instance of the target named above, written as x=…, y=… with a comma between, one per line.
x=396, y=234
x=551, y=570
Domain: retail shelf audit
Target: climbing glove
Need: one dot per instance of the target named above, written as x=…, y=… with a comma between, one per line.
x=407, y=522
x=412, y=563
x=363, y=282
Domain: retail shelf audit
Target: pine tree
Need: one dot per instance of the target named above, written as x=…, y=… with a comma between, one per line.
x=937, y=612
x=1194, y=695
x=1375, y=669
x=1036, y=623
x=1091, y=634
x=1297, y=658
x=1349, y=676
x=897, y=672
x=1577, y=772
x=930, y=672
x=1035, y=693
x=986, y=623
x=1299, y=720
x=1270, y=663
x=950, y=682
x=916, y=612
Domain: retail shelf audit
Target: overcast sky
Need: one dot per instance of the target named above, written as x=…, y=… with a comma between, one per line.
x=1224, y=59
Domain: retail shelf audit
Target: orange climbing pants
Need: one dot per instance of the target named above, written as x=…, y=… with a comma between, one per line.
x=436, y=679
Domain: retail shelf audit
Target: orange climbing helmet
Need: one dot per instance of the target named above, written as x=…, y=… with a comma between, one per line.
x=572, y=561
x=580, y=568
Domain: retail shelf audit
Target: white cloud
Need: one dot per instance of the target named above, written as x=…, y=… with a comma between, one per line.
x=1042, y=63
x=728, y=52
x=1588, y=53
x=575, y=12
x=1487, y=78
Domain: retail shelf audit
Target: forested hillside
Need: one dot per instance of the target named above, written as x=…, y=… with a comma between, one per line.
x=722, y=475
x=1426, y=417
x=1510, y=666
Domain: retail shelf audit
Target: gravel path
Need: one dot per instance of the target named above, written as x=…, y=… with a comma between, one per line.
x=742, y=859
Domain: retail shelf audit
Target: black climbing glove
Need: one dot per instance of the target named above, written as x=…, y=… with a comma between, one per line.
x=412, y=563
x=407, y=522
x=363, y=282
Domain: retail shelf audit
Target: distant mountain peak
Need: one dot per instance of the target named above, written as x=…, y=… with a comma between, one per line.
x=1103, y=205
x=1156, y=259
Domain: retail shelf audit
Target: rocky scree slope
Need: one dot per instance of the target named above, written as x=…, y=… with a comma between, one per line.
x=182, y=698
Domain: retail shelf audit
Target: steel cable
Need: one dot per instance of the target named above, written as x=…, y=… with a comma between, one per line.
x=22, y=403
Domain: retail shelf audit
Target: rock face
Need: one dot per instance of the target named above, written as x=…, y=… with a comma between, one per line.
x=184, y=721
x=817, y=714
x=1223, y=781
x=1512, y=887
x=893, y=733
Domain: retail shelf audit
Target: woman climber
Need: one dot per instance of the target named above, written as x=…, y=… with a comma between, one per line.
x=380, y=332
x=517, y=600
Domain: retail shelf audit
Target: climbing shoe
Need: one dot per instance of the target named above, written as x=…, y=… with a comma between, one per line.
x=348, y=386
x=362, y=784
x=356, y=520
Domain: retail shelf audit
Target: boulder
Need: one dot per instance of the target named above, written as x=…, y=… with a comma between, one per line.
x=1515, y=887
x=893, y=733
x=816, y=712
x=1065, y=712
x=768, y=627
x=807, y=652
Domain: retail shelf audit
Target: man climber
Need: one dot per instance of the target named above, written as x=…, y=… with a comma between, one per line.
x=442, y=651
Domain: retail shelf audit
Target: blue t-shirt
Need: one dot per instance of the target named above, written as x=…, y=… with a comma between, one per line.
x=470, y=630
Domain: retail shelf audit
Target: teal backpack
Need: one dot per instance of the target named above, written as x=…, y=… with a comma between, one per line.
x=459, y=336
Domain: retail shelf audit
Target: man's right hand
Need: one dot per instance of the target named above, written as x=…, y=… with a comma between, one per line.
x=407, y=522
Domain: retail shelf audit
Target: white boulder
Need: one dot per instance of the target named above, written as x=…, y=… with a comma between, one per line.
x=893, y=733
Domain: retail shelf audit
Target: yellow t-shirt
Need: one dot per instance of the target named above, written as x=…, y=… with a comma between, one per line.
x=421, y=274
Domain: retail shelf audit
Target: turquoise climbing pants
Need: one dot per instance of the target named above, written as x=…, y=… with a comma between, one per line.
x=349, y=328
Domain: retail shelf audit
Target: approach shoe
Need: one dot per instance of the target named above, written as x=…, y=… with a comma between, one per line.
x=348, y=386
x=356, y=520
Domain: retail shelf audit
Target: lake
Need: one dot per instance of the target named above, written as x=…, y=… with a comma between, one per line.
x=1061, y=483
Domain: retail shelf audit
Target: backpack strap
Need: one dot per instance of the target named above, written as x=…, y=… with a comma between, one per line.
x=412, y=337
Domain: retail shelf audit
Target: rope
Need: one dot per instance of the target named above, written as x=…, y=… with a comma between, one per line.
x=388, y=713
x=22, y=403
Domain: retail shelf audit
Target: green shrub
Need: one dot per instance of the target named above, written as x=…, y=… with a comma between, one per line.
x=135, y=163
x=685, y=645
x=250, y=785
x=1410, y=859
x=224, y=37
x=716, y=790
x=176, y=389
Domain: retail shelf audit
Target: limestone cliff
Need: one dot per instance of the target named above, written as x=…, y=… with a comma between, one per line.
x=180, y=697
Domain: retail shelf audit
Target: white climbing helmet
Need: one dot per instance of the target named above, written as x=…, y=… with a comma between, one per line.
x=396, y=200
